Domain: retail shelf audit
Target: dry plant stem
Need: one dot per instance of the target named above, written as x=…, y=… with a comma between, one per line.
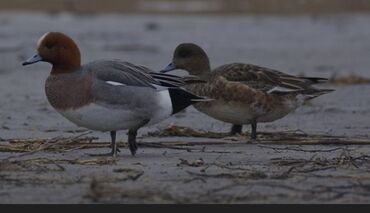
x=297, y=137
x=47, y=144
x=300, y=150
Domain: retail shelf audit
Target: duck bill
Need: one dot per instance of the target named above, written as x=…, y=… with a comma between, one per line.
x=34, y=59
x=169, y=68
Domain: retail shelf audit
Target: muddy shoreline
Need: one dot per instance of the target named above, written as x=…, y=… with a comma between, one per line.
x=210, y=169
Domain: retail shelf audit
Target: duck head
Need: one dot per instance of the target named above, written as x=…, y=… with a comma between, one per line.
x=59, y=50
x=189, y=57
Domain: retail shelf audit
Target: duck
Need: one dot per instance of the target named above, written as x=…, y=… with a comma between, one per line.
x=108, y=95
x=241, y=93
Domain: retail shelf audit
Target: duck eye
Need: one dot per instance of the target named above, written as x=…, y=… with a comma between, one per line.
x=49, y=46
x=184, y=53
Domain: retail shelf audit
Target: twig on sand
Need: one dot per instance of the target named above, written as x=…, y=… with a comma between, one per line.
x=320, y=163
x=235, y=175
x=300, y=150
x=297, y=137
x=163, y=145
x=50, y=143
x=30, y=146
x=44, y=164
x=174, y=130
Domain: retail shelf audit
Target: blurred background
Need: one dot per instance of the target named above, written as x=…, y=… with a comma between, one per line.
x=319, y=38
x=267, y=7
x=322, y=38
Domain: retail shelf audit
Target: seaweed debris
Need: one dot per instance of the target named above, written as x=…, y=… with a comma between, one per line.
x=349, y=80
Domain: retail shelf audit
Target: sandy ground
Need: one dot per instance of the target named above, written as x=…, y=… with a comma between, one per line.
x=232, y=171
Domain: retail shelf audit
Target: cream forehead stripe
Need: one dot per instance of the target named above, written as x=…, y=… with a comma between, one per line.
x=42, y=38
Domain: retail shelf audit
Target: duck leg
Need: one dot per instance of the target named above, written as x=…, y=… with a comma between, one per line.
x=114, y=144
x=132, y=137
x=114, y=150
x=254, y=130
x=132, y=141
x=236, y=129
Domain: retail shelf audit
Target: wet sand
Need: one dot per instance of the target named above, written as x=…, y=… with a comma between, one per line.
x=238, y=172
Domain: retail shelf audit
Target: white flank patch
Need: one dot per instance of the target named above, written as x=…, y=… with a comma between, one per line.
x=115, y=83
x=159, y=87
x=105, y=118
x=97, y=117
x=164, y=107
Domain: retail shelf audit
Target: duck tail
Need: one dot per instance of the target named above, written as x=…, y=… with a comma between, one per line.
x=182, y=98
x=316, y=80
x=317, y=93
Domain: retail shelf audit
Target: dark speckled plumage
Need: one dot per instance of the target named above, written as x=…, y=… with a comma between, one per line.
x=244, y=93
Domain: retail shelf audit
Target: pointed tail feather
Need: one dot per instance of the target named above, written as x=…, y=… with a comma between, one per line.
x=316, y=80
x=182, y=98
x=308, y=93
x=169, y=80
x=318, y=93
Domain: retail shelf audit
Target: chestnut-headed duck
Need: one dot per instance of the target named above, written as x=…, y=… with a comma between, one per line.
x=243, y=93
x=108, y=95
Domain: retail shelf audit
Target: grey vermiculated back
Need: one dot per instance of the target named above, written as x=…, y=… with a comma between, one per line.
x=139, y=90
x=130, y=74
x=120, y=72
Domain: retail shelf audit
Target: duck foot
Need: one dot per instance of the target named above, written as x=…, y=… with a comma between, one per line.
x=132, y=137
x=109, y=154
x=132, y=141
x=236, y=129
x=114, y=150
x=254, y=131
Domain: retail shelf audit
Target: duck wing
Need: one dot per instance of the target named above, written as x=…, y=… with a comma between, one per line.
x=265, y=79
x=117, y=72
